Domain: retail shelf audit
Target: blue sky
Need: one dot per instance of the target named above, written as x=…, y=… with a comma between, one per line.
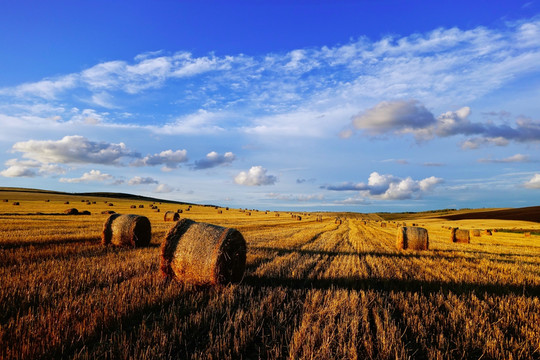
x=355, y=106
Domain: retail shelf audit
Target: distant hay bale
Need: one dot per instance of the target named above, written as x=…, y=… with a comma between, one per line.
x=67, y=202
x=383, y=224
x=413, y=238
x=16, y=203
x=85, y=212
x=220, y=212
x=47, y=200
x=527, y=234
x=71, y=211
x=248, y=213
x=108, y=212
x=487, y=232
x=6, y=200
x=179, y=211
x=475, y=232
x=127, y=230
x=93, y=202
x=111, y=204
x=133, y=207
x=141, y=206
x=201, y=253
x=171, y=216
x=226, y=208
x=299, y=218
x=460, y=236
x=277, y=214
x=157, y=210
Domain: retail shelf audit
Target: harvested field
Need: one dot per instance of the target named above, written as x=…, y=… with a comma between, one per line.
x=311, y=289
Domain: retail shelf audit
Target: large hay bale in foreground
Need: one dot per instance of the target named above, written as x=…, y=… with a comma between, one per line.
x=171, y=216
x=460, y=236
x=413, y=238
x=201, y=253
x=127, y=230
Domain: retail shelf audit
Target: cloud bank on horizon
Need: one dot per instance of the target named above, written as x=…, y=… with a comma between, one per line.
x=450, y=100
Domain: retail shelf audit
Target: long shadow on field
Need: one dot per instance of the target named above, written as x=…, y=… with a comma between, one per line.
x=20, y=244
x=396, y=285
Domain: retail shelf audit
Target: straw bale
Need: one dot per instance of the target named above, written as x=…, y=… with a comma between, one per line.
x=171, y=216
x=202, y=253
x=383, y=224
x=179, y=211
x=108, y=212
x=85, y=212
x=299, y=218
x=133, y=207
x=6, y=200
x=460, y=235
x=141, y=206
x=220, y=212
x=527, y=234
x=16, y=203
x=127, y=230
x=67, y=202
x=413, y=238
x=475, y=232
x=71, y=211
x=487, y=232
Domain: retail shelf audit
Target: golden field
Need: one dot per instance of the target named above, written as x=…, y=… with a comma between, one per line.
x=311, y=290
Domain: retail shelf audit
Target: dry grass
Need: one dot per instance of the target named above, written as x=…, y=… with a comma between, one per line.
x=312, y=290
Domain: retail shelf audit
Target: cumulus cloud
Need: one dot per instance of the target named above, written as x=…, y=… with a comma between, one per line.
x=518, y=158
x=256, y=176
x=534, y=182
x=389, y=187
x=92, y=176
x=137, y=180
x=395, y=116
x=163, y=188
x=30, y=168
x=214, y=159
x=171, y=159
x=73, y=150
x=410, y=117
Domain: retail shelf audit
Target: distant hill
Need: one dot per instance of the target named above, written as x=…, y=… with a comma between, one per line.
x=531, y=213
x=97, y=194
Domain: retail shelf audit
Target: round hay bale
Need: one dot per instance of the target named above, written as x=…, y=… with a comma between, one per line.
x=179, y=211
x=16, y=203
x=133, y=207
x=227, y=208
x=299, y=218
x=475, y=232
x=127, y=230
x=108, y=212
x=220, y=212
x=141, y=206
x=157, y=210
x=527, y=234
x=171, y=216
x=85, y=212
x=47, y=200
x=460, y=236
x=67, y=202
x=203, y=253
x=413, y=238
x=383, y=224
x=111, y=204
x=93, y=202
x=71, y=211
x=487, y=232
x=277, y=214
x=7, y=200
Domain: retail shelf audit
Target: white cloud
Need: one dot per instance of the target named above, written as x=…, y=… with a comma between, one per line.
x=73, y=150
x=534, y=182
x=297, y=197
x=256, y=176
x=214, y=159
x=389, y=187
x=518, y=158
x=396, y=116
x=137, y=180
x=401, y=117
x=30, y=168
x=171, y=159
x=163, y=188
x=92, y=176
